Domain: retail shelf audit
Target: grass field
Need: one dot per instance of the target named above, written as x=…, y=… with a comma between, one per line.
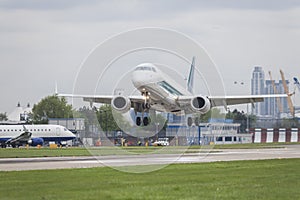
x=264, y=179
x=47, y=152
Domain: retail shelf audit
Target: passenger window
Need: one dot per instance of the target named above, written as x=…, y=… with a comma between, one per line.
x=34, y=129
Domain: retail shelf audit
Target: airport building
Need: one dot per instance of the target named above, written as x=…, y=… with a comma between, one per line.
x=270, y=135
x=19, y=115
x=214, y=132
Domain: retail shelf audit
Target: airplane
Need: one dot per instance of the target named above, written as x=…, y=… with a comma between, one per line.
x=17, y=135
x=161, y=93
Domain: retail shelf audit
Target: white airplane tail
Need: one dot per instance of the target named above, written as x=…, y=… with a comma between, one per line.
x=190, y=83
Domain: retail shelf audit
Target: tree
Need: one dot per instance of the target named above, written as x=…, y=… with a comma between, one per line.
x=241, y=118
x=212, y=113
x=3, y=117
x=51, y=107
x=110, y=120
x=89, y=115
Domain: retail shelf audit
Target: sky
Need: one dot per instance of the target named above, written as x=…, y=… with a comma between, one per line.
x=43, y=42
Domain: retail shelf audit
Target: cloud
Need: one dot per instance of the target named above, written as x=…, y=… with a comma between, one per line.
x=154, y=6
x=43, y=4
x=49, y=39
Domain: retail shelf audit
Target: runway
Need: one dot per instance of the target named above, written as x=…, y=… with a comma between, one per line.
x=18, y=164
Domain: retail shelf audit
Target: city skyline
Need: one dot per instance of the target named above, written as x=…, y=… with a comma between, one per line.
x=46, y=42
x=271, y=107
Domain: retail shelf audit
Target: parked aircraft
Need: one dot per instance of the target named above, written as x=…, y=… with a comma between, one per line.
x=16, y=135
x=161, y=93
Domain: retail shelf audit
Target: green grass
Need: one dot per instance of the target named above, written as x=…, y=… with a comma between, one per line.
x=59, y=152
x=264, y=179
x=43, y=152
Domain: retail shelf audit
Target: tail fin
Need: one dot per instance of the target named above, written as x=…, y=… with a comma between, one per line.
x=190, y=83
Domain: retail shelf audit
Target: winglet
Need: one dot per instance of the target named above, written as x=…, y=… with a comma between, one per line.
x=190, y=83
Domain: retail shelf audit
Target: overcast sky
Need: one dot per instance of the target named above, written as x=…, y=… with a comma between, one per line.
x=46, y=41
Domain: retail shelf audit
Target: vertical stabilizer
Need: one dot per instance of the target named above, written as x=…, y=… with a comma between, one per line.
x=190, y=83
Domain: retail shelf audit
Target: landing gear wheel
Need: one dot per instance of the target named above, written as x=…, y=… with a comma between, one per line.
x=189, y=121
x=138, y=121
x=146, y=121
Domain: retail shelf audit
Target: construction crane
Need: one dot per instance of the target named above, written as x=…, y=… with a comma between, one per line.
x=286, y=90
x=275, y=92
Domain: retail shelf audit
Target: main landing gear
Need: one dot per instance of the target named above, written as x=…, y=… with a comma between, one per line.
x=139, y=121
x=144, y=109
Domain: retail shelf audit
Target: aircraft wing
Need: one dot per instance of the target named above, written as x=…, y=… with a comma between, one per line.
x=102, y=98
x=234, y=100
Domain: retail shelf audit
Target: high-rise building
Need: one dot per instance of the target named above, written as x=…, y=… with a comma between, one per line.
x=258, y=87
x=271, y=105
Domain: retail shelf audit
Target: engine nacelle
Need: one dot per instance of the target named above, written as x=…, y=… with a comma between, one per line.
x=121, y=104
x=200, y=104
x=36, y=141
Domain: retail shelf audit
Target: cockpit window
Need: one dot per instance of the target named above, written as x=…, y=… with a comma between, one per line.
x=145, y=68
x=169, y=88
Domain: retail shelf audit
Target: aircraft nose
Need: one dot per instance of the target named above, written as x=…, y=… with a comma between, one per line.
x=140, y=78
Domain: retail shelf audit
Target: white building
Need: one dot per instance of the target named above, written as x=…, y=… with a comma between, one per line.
x=20, y=114
x=216, y=133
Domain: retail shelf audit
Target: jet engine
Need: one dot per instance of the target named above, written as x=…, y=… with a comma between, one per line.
x=36, y=141
x=121, y=104
x=200, y=104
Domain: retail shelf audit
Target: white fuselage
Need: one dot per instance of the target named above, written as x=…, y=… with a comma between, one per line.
x=47, y=132
x=162, y=90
